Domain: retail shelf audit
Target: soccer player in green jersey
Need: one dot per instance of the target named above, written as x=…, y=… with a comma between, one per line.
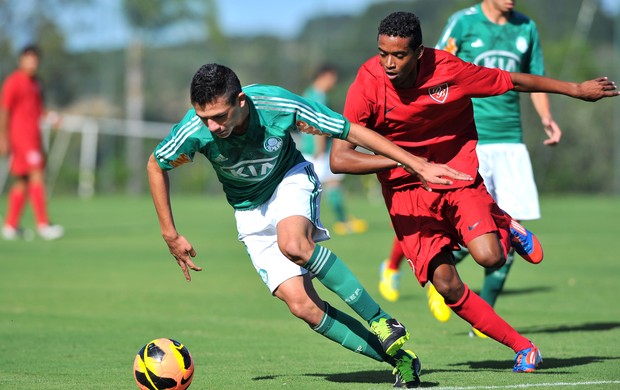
x=316, y=150
x=245, y=135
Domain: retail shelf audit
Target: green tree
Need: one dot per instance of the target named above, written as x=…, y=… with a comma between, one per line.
x=147, y=18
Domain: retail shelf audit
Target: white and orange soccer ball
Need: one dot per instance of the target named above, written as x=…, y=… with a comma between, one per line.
x=163, y=364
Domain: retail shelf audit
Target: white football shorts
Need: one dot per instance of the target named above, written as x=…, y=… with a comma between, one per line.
x=299, y=193
x=323, y=170
x=508, y=176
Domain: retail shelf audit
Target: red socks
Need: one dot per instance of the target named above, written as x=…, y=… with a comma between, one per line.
x=39, y=203
x=481, y=316
x=396, y=256
x=17, y=201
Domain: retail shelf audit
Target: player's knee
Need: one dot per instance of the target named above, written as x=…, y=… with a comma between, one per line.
x=296, y=250
x=305, y=310
x=451, y=291
x=491, y=257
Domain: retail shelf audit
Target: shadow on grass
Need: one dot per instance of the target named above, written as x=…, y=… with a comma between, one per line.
x=523, y=291
x=380, y=377
x=548, y=363
x=587, y=327
x=369, y=377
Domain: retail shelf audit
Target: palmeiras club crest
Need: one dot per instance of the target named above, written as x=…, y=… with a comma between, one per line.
x=439, y=93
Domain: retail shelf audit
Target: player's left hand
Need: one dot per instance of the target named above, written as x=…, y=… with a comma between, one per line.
x=593, y=90
x=553, y=131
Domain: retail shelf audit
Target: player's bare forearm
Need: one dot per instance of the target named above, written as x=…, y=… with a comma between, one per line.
x=543, y=108
x=591, y=90
x=427, y=172
x=4, y=135
x=160, y=192
x=179, y=246
x=345, y=159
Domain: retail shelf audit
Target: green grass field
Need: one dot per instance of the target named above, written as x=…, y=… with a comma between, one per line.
x=73, y=313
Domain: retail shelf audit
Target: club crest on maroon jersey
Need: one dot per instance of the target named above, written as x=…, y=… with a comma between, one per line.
x=439, y=93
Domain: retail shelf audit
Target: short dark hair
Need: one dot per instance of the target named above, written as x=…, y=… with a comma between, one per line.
x=325, y=68
x=402, y=24
x=30, y=49
x=213, y=81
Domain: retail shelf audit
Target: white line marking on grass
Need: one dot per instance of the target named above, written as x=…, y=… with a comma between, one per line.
x=529, y=385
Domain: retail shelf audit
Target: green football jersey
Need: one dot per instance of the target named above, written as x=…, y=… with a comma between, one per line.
x=252, y=165
x=306, y=141
x=513, y=47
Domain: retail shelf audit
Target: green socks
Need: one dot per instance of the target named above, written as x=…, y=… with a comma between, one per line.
x=335, y=198
x=494, y=280
x=459, y=255
x=337, y=277
x=351, y=334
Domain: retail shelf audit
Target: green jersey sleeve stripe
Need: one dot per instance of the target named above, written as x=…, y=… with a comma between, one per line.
x=444, y=38
x=274, y=103
x=452, y=22
x=302, y=107
x=322, y=119
x=177, y=140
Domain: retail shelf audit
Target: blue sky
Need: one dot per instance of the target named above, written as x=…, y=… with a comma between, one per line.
x=103, y=27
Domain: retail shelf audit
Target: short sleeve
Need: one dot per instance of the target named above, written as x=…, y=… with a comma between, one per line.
x=180, y=146
x=536, y=64
x=361, y=99
x=450, y=38
x=8, y=93
x=480, y=81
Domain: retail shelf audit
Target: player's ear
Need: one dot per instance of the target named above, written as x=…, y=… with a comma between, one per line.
x=241, y=99
x=419, y=52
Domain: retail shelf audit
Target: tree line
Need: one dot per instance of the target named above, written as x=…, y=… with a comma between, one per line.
x=95, y=82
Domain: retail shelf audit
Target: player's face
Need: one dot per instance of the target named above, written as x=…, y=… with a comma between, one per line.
x=223, y=118
x=29, y=63
x=502, y=5
x=399, y=61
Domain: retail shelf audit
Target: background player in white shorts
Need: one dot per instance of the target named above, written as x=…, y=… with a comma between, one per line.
x=316, y=150
x=493, y=34
x=246, y=136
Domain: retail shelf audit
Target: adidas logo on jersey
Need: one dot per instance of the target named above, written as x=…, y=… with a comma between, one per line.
x=220, y=159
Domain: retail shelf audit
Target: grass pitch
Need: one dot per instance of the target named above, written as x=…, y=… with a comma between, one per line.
x=74, y=312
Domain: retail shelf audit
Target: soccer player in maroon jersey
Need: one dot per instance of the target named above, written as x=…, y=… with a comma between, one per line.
x=420, y=99
x=21, y=109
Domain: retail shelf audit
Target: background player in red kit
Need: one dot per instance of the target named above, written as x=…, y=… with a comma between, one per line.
x=21, y=109
x=420, y=99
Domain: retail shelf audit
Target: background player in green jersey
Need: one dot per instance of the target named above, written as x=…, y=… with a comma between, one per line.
x=492, y=34
x=316, y=150
x=246, y=136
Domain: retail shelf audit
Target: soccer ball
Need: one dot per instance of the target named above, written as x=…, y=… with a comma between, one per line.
x=163, y=364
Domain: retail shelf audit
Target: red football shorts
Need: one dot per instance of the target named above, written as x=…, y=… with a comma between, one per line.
x=427, y=222
x=25, y=159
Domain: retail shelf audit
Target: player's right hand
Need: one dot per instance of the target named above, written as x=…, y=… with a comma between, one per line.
x=183, y=251
x=437, y=174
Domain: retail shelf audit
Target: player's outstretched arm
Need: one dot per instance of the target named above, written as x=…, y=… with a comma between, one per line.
x=591, y=90
x=344, y=158
x=4, y=132
x=179, y=246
